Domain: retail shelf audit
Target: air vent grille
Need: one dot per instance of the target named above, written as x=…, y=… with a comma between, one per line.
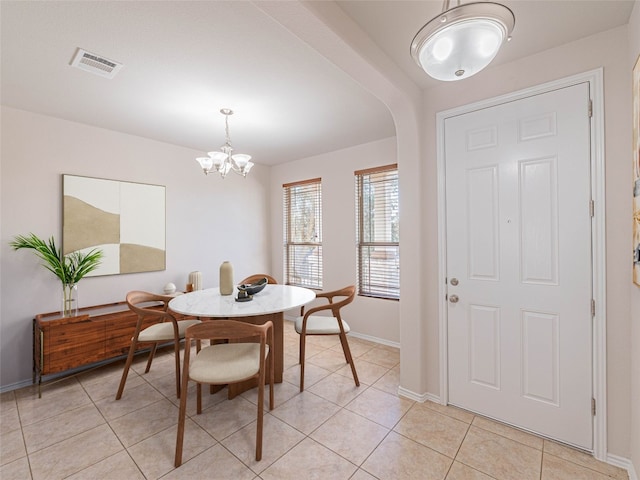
x=96, y=64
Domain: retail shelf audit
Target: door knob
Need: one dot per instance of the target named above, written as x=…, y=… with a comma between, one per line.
x=453, y=298
x=454, y=281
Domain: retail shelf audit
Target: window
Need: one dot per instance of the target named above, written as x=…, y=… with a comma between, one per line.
x=303, y=233
x=377, y=232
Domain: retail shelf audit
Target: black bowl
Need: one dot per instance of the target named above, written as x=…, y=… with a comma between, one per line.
x=253, y=288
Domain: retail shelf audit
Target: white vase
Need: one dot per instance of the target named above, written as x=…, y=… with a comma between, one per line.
x=226, y=278
x=195, y=278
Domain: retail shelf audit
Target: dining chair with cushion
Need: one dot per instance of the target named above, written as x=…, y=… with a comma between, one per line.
x=244, y=356
x=155, y=325
x=310, y=324
x=257, y=277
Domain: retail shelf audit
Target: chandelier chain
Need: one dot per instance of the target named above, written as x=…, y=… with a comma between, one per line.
x=226, y=128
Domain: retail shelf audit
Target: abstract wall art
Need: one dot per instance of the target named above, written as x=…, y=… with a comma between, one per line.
x=125, y=220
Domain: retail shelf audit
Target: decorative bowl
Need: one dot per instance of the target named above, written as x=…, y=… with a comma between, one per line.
x=253, y=288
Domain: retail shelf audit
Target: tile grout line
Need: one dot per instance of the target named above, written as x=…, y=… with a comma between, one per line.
x=24, y=442
x=459, y=447
x=114, y=433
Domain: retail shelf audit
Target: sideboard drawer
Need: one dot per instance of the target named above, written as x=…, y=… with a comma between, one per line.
x=70, y=345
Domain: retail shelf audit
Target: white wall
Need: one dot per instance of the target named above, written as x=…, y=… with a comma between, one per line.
x=609, y=50
x=208, y=220
x=325, y=27
x=420, y=324
x=367, y=317
x=342, y=43
x=634, y=54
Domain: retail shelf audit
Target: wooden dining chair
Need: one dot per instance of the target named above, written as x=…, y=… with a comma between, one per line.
x=155, y=325
x=259, y=276
x=310, y=324
x=244, y=357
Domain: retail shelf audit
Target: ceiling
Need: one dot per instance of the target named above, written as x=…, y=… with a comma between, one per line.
x=540, y=25
x=184, y=61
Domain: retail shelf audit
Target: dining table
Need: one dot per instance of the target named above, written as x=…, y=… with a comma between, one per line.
x=268, y=304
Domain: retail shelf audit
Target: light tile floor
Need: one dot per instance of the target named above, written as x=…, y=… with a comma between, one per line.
x=332, y=431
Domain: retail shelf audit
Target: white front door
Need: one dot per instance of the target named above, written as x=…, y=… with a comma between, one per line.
x=518, y=227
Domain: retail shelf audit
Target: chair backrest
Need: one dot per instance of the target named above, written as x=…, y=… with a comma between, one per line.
x=141, y=302
x=229, y=330
x=349, y=294
x=259, y=276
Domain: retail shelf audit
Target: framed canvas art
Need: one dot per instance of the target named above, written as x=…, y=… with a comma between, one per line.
x=636, y=172
x=125, y=220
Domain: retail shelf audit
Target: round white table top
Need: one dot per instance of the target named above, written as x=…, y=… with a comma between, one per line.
x=209, y=302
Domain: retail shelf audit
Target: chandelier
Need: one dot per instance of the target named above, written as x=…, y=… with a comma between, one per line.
x=462, y=40
x=223, y=161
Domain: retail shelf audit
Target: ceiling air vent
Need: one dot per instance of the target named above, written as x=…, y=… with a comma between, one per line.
x=90, y=62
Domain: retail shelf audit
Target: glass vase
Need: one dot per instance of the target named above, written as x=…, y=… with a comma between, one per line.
x=69, y=300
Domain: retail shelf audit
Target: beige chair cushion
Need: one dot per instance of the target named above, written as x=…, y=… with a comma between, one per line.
x=164, y=331
x=318, y=325
x=226, y=363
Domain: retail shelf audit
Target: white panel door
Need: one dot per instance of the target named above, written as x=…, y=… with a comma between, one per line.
x=519, y=263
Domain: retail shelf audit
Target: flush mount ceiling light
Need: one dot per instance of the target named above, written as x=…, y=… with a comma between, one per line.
x=462, y=40
x=223, y=161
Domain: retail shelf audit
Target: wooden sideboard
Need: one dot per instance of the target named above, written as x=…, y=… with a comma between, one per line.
x=97, y=334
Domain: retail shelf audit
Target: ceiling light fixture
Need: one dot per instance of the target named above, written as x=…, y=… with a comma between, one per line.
x=224, y=161
x=462, y=40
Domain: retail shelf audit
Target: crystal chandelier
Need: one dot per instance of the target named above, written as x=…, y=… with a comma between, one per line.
x=462, y=40
x=223, y=161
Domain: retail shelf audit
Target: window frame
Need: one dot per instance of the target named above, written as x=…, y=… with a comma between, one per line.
x=364, y=287
x=289, y=246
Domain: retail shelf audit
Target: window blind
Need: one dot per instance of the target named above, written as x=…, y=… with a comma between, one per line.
x=303, y=233
x=377, y=232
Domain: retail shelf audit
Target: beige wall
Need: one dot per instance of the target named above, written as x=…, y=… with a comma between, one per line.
x=367, y=317
x=208, y=220
x=608, y=50
x=634, y=53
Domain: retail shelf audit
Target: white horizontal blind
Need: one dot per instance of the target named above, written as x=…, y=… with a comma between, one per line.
x=377, y=232
x=303, y=233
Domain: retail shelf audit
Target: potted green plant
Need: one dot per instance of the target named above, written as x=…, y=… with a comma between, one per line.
x=68, y=268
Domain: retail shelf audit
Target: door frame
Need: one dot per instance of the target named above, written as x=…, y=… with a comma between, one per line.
x=598, y=255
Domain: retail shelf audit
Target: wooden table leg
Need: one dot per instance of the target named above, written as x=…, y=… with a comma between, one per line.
x=278, y=350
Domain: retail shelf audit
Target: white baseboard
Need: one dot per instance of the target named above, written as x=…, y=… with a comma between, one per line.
x=433, y=398
x=418, y=397
x=624, y=463
x=380, y=341
x=403, y=392
x=361, y=336
x=15, y=386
